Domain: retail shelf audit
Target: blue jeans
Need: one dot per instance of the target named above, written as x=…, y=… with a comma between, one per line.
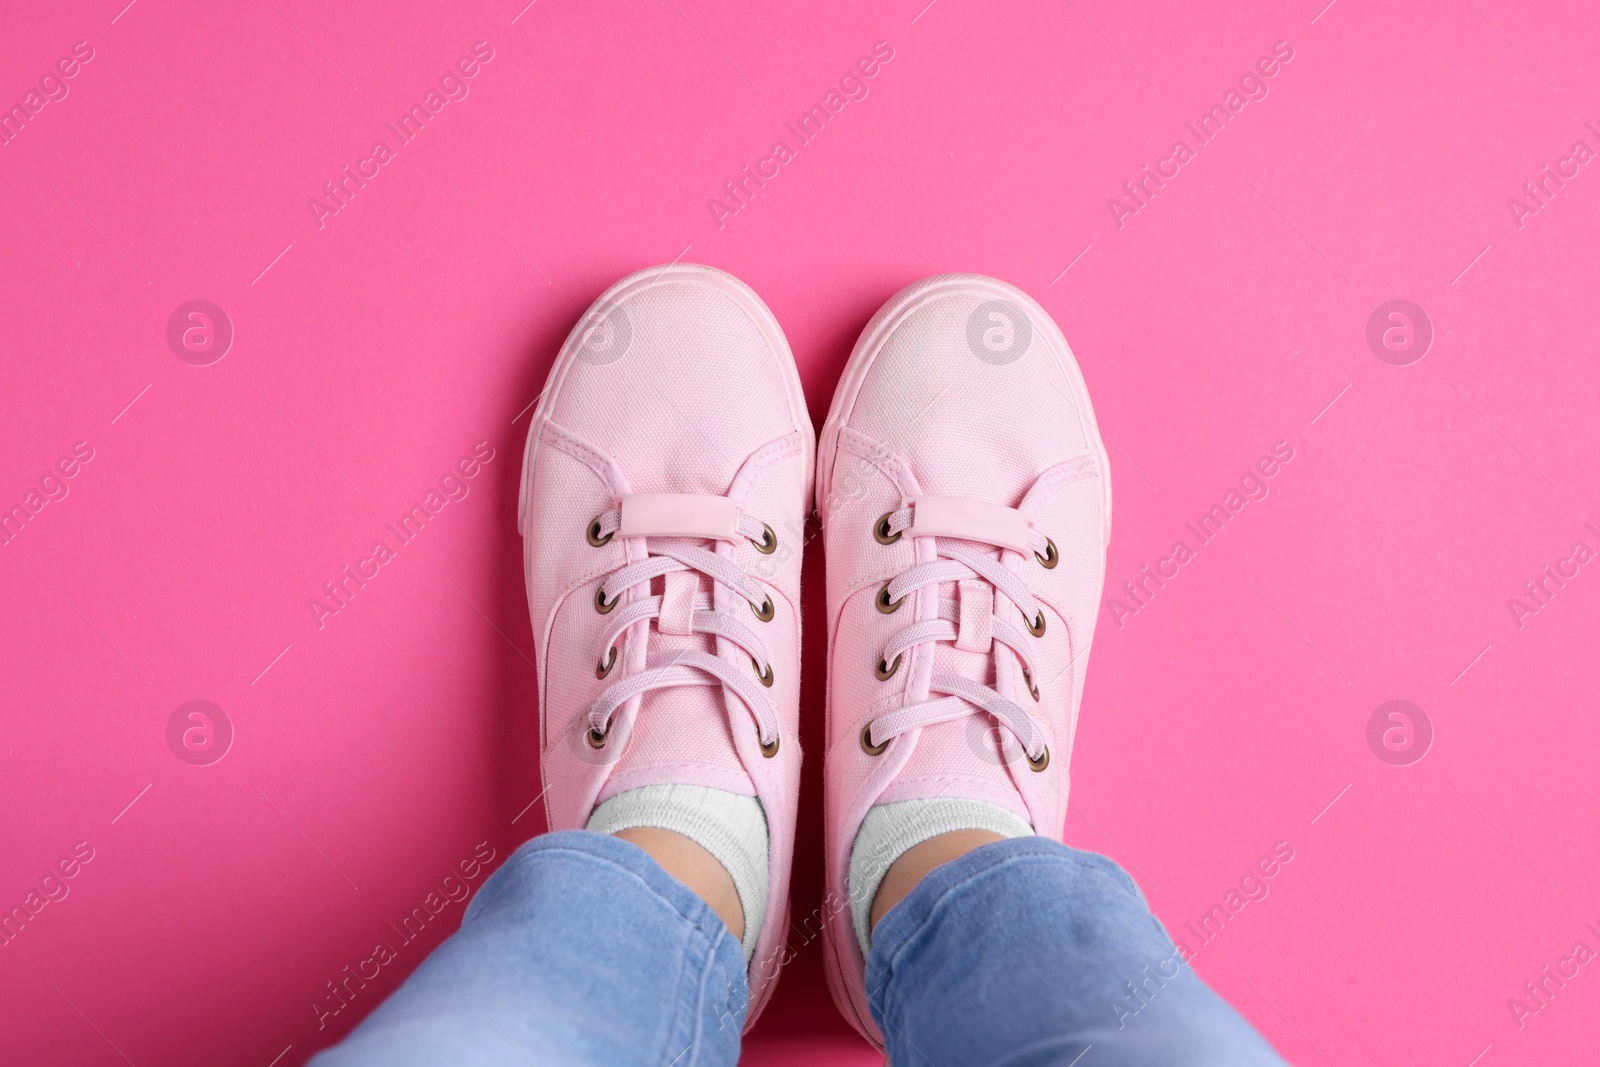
x=582, y=950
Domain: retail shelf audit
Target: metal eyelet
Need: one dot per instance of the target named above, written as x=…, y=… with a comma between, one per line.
x=594, y=535
x=1033, y=690
x=885, y=605
x=600, y=604
x=605, y=668
x=768, y=543
x=1050, y=558
x=1036, y=628
x=766, y=611
x=595, y=738
x=885, y=671
x=880, y=531
x=771, y=751
x=1044, y=760
x=866, y=742
x=766, y=679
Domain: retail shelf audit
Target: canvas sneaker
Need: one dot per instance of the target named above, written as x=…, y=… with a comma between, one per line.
x=665, y=484
x=965, y=497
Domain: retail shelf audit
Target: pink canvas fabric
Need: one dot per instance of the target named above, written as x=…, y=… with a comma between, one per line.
x=674, y=407
x=963, y=400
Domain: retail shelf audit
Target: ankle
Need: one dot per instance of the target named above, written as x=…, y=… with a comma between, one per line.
x=695, y=867
x=907, y=871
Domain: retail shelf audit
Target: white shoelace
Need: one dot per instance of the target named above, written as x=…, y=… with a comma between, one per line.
x=688, y=667
x=957, y=694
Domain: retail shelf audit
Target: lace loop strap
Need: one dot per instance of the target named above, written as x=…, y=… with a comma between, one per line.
x=971, y=520
x=679, y=515
x=965, y=520
x=694, y=515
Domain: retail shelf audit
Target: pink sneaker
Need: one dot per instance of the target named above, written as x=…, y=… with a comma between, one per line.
x=665, y=484
x=966, y=504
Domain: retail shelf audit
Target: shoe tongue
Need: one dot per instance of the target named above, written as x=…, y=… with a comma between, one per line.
x=680, y=734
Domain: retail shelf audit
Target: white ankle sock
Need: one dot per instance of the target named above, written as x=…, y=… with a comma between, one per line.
x=733, y=828
x=889, y=830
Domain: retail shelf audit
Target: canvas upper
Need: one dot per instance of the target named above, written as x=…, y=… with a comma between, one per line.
x=965, y=498
x=665, y=484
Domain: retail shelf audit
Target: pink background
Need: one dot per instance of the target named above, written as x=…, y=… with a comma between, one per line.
x=1229, y=313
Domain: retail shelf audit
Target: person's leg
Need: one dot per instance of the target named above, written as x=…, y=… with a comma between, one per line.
x=689, y=862
x=965, y=498
x=665, y=483
x=666, y=479
x=582, y=949
x=1025, y=951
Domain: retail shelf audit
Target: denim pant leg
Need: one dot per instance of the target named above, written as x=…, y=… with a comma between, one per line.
x=1022, y=952
x=579, y=950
